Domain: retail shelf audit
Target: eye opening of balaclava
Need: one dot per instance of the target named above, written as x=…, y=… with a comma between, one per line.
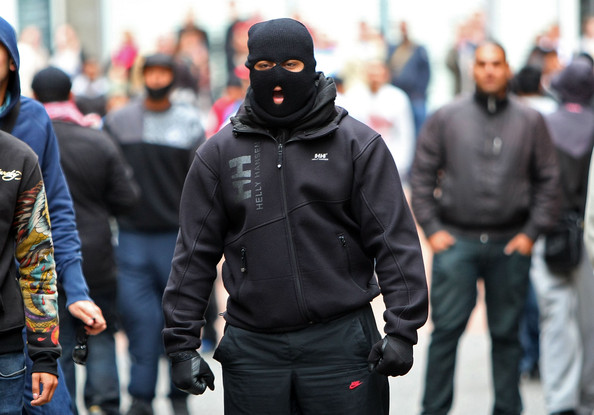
x=280, y=40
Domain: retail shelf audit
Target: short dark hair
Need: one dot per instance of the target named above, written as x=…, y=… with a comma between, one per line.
x=159, y=59
x=527, y=80
x=51, y=85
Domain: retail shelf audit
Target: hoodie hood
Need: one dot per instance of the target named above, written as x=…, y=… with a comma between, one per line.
x=9, y=40
x=575, y=83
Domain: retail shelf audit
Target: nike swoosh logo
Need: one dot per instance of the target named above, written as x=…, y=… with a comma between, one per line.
x=355, y=384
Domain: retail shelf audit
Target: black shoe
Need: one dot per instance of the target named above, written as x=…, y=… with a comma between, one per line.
x=140, y=407
x=567, y=412
x=180, y=405
x=534, y=374
x=531, y=375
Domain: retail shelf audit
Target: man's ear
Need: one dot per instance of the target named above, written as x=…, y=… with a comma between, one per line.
x=12, y=65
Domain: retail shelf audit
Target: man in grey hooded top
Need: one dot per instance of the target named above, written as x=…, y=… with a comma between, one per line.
x=27, y=120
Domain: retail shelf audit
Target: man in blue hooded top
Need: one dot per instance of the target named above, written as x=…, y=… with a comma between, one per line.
x=27, y=120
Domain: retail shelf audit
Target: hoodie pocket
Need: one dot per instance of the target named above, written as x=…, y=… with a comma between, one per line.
x=235, y=272
x=12, y=314
x=349, y=260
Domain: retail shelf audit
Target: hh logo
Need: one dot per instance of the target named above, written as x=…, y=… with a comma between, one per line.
x=320, y=157
x=245, y=176
x=241, y=176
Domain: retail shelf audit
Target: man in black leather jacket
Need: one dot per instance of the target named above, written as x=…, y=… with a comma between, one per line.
x=306, y=205
x=484, y=185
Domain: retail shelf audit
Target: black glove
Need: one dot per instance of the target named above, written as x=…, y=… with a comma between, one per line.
x=391, y=356
x=190, y=372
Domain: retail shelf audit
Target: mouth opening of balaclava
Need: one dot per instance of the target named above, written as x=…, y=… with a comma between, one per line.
x=278, y=41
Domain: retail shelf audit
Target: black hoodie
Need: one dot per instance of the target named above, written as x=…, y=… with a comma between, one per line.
x=304, y=219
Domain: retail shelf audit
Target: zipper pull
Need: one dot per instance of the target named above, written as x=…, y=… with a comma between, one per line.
x=243, y=260
x=280, y=156
x=491, y=104
x=497, y=143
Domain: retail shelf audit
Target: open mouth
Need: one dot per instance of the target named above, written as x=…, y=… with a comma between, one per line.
x=277, y=95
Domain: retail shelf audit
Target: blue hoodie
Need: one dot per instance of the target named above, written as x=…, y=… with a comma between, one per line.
x=34, y=127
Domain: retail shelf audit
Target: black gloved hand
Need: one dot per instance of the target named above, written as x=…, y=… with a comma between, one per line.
x=190, y=372
x=391, y=356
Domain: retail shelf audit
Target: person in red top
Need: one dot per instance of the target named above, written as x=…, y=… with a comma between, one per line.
x=228, y=104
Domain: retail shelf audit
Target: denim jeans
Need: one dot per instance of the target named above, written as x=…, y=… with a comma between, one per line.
x=144, y=264
x=529, y=333
x=453, y=297
x=61, y=404
x=102, y=386
x=12, y=382
x=419, y=109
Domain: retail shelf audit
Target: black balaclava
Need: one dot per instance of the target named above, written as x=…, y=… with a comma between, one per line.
x=277, y=41
x=165, y=61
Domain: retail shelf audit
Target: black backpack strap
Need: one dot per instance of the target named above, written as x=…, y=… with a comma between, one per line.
x=8, y=122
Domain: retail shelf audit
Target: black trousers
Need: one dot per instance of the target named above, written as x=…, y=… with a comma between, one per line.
x=318, y=370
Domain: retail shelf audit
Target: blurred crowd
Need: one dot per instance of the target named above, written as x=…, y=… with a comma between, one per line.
x=385, y=84
x=101, y=85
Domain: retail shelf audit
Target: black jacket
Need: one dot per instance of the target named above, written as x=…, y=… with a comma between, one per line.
x=101, y=185
x=28, y=295
x=304, y=219
x=476, y=171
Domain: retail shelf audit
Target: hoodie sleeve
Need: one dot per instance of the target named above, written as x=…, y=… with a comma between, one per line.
x=546, y=205
x=34, y=127
x=389, y=233
x=424, y=173
x=34, y=253
x=198, y=250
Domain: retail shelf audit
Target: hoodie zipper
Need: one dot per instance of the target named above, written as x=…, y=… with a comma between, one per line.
x=279, y=160
x=298, y=284
x=243, y=260
x=345, y=246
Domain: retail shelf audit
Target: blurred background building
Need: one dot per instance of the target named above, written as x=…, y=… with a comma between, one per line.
x=438, y=25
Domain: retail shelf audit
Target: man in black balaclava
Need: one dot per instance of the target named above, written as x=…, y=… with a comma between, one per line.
x=282, y=71
x=305, y=204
